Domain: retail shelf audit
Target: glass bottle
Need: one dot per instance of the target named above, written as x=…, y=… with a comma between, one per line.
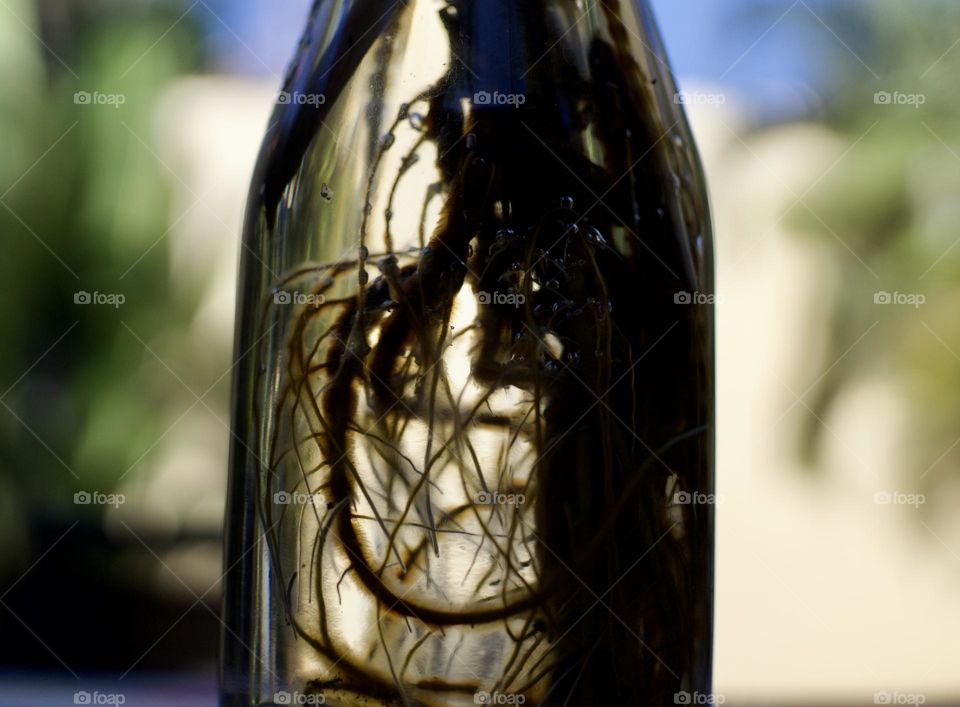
x=473, y=402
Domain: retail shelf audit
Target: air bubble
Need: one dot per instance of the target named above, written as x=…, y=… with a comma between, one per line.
x=566, y=202
x=471, y=141
x=416, y=121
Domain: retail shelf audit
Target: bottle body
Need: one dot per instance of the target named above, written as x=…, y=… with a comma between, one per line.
x=473, y=405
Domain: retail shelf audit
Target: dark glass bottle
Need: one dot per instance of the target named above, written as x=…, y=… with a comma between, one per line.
x=473, y=405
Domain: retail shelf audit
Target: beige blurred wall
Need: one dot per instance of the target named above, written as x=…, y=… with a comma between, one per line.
x=821, y=592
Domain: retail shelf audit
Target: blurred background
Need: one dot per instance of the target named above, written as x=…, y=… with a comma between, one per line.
x=830, y=136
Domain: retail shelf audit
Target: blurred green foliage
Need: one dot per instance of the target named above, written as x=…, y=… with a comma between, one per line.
x=85, y=207
x=893, y=202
